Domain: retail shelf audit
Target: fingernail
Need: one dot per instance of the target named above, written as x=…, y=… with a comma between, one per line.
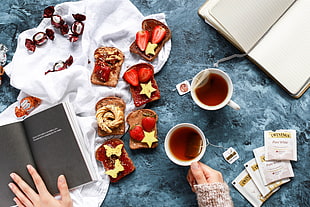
x=195, y=165
x=12, y=175
x=29, y=167
x=62, y=179
x=15, y=200
x=10, y=185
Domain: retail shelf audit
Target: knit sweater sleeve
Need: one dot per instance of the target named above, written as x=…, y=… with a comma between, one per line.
x=213, y=195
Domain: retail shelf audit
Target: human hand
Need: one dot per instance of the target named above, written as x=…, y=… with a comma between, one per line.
x=27, y=197
x=200, y=173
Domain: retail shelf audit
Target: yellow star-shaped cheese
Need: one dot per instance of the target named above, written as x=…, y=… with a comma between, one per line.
x=149, y=138
x=147, y=89
x=150, y=49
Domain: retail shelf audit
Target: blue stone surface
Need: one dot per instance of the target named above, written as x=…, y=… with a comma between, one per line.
x=195, y=46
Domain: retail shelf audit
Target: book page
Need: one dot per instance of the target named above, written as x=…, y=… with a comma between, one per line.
x=284, y=52
x=248, y=20
x=204, y=12
x=55, y=148
x=14, y=156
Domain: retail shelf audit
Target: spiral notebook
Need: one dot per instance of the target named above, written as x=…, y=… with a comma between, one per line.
x=273, y=33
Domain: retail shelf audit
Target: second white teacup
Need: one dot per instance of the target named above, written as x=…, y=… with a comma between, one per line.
x=184, y=144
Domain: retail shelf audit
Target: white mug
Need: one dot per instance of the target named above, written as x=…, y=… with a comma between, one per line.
x=203, y=78
x=169, y=148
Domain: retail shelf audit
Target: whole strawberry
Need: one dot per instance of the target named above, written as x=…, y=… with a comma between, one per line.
x=136, y=133
x=148, y=123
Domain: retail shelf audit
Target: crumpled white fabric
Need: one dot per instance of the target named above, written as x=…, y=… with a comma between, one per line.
x=108, y=23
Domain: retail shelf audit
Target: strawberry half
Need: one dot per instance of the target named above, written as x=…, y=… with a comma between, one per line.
x=148, y=123
x=142, y=38
x=145, y=74
x=158, y=34
x=137, y=133
x=131, y=76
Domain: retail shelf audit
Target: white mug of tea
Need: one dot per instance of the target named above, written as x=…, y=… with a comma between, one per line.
x=212, y=89
x=185, y=143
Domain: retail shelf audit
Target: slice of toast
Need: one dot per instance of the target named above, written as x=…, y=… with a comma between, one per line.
x=135, y=118
x=111, y=57
x=108, y=155
x=149, y=25
x=141, y=99
x=112, y=106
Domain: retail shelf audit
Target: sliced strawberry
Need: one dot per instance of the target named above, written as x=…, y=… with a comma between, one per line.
x=148, y=123
x=102, y=72
x=137, y=133
x=158, y=34
x=142, y=38
x=131, y=76
x=145, y=74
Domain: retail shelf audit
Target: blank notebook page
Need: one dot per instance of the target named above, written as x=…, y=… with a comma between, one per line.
x=285, y=51
x=248, y=20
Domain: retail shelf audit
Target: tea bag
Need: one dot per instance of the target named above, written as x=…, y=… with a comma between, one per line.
x=194, y=147
x=280, y=145
x=253, y=170
x=246, y=186
x=272, y=171
x=202, y=79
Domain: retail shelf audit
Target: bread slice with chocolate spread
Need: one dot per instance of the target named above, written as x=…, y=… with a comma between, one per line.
x=149, y=25
x=134, y=119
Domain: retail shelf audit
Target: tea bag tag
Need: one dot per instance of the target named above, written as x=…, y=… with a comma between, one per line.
x=183, y=87
x=231, y=155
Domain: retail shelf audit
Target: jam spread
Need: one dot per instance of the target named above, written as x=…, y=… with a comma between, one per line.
x=141, y=99
x=109, y=162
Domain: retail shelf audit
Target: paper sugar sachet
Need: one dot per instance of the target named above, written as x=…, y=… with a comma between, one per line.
x=280, y=145
x=253, y=170
x=272, y=171
x=245, y=185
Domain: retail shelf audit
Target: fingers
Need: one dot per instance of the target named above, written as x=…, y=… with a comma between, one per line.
x=198, y=173
x=211, y=175
x=191, y=180
x=63, y=190
x=204, y=174
x=18, y=203
x=38, y=181
x=24, y=193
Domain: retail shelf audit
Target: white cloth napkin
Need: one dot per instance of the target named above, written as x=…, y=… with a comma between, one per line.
x=108, y=23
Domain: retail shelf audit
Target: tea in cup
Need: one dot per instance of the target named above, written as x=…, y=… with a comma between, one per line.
x=212, y=89
x=184, y=144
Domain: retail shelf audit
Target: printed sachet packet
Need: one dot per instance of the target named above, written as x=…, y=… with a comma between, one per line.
x=280, y=145
x=245, y=185
x=272, y=171
x=252, y=168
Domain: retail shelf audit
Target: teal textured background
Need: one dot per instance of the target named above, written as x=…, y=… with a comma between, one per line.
x=195, y=46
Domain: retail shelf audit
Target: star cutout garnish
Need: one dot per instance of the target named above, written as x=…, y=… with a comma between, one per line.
x=149, y=138
x=147, y=89
x=150, y=49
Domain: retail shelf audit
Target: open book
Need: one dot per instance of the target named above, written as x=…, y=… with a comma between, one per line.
x=273, y=33
x=52, y=142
